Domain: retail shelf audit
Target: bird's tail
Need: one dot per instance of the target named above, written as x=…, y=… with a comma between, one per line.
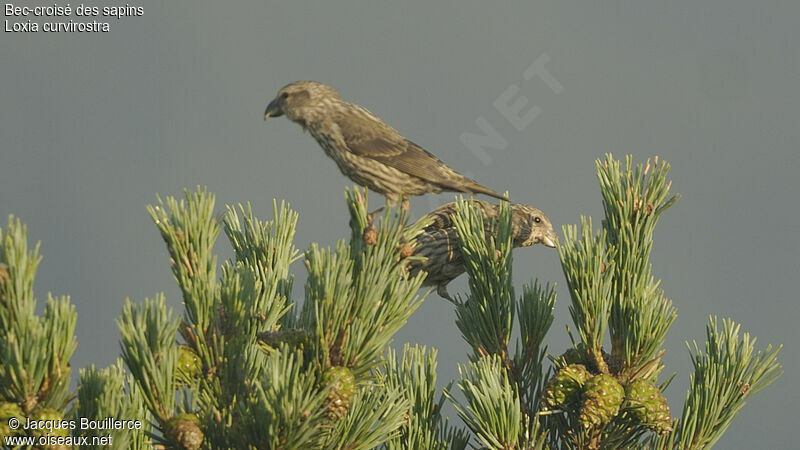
x=475, y=188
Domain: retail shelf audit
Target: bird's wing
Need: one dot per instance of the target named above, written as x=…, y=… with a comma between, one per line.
x=365, y=135
x=443, y=216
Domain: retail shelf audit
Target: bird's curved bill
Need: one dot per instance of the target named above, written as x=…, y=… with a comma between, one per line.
x=549, y=242
x=273, y=110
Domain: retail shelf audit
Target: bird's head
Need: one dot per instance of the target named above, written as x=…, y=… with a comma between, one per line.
x=531, y=226
x=301, y=100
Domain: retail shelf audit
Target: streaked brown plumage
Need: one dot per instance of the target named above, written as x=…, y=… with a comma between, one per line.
x=439, y=241
x=366, y=149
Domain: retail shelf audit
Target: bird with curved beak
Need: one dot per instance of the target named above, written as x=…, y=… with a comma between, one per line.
x=439, y=244
x=366, y=149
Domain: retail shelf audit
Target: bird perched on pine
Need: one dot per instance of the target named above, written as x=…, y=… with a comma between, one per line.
x=366, y=149
x=439, y=243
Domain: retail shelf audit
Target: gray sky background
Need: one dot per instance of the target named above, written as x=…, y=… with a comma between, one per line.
x=93, y=125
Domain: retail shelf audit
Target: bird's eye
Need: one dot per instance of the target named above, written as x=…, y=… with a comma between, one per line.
x=537, y=220
x=285, y=95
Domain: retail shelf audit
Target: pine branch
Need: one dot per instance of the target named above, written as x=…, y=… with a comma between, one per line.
x=267, y=249
x=725, y=376
x=111, y=392
x=253, y=299
x=35, y=351
x=190, y=229
x=358, y=296
x=286, y=410
x=634, y=198
x=17, y=272
x=535, y=312
x=58, y=337
x=492, y=410
x=375, y=416
x=149, y=351
x=586, y=261
x=414, y=374
x=253, y=372
x=328, y=301
x=487, y=317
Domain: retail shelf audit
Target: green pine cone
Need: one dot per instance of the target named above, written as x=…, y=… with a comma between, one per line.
x=60, y=429
x=7, y=411
x=185, y=430
x=342, y=386
x=649, y=406
x=564, y=389
x=602, y=397
x=189, y=365
x=50, y=414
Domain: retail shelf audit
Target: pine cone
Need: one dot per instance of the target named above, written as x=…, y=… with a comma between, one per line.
x=342, y=386
x=185, y=431
x=189, y=365
x=602, y=397
x=7, y=411
x=564, y=388
x=55, y=416
x=649, y=406
x=60, y=428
